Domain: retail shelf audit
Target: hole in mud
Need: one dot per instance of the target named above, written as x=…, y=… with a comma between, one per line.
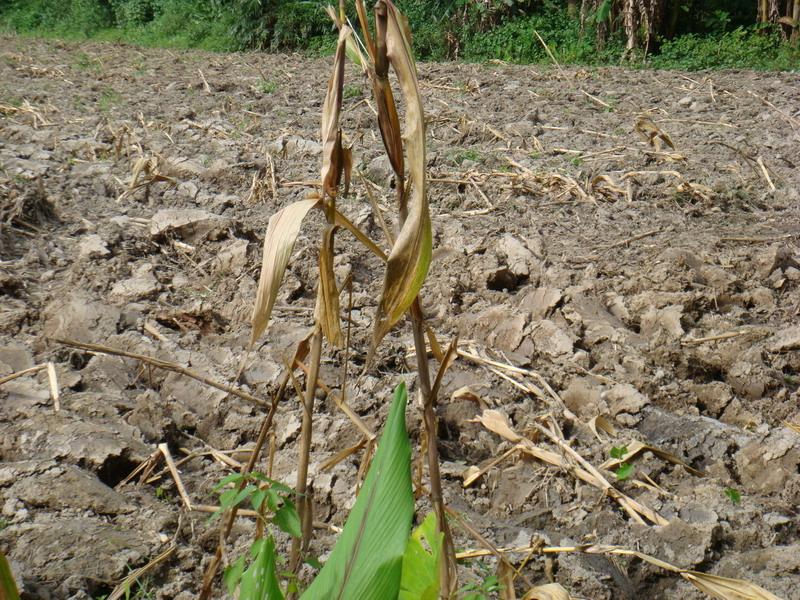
x=115, y=469
x=98, y=589
x=78, y=360
x=704, y=373
x=504, y=280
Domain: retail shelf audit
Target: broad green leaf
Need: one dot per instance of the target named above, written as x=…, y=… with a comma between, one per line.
x=233, y=574
x=410, y=257
x=257, y=499
x=287, y=519
x=8, y=588
x=232, y=478
x=282, y=232
x=366, y=562
x=259, y=581
x=420, y=578
x=624, y=472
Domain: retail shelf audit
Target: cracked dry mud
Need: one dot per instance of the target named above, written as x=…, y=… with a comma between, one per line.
x=656, y=287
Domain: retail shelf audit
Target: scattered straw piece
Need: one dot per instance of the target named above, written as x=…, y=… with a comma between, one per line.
x=164, y=449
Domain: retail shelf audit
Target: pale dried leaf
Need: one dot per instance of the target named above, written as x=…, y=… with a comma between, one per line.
x=434, y=343
x=653, y=133
x=332, y=160
x=550, y=591
x=410, y=257
x=602, y=423
x=53, y=380
x=282, y=232
x=343, y=221
x=724, y=588
x=498, y=423
x=505, y=575
x=327, y=309
x=447, y=360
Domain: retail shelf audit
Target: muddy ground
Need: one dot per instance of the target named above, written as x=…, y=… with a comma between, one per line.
x=655, y=287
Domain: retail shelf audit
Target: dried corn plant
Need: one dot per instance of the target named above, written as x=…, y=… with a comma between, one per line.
x=410, y=257
x=408, y=262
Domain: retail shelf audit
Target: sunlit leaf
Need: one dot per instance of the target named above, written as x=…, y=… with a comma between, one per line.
x=260, y=581
x=725, y=588
x=367, y=560
x=550, y=591
x=420, y=578
x=282, y=232
x=343, y=221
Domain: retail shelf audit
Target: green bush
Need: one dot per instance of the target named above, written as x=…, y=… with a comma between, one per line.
x=742, y=48
x=443, y=29
x=515, y=41
x=69, y=18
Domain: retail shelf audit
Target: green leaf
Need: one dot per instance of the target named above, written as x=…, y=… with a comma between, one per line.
x=366, y=562
x=313, y=561
x=244, y=494
x=625, y=470
x=287, y=519
x=226, y=498
x=8, y=589
x=273, y=500
x=733, y=495
x=257, y=499
x=259, y=581
x=619, y=452
x=420, y=578
x=232, y=478
x=233, y=574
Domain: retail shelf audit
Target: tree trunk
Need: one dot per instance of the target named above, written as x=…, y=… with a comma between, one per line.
x=796, y=27
x=631, y=23
x=763, y=11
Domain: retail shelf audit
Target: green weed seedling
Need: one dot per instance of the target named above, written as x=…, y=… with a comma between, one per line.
x=483, y=589
x=467, y=154
x=352, y=91
x=254, y=572
x=108, y=99
x=625, y=470
x=267, y=86
x=733, y=495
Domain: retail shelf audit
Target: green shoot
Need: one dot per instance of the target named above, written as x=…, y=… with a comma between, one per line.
x=733, y=495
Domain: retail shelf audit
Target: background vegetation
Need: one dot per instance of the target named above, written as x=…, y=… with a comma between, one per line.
x=691, y=34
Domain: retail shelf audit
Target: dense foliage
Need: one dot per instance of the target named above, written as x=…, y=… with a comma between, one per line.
x=690, y=34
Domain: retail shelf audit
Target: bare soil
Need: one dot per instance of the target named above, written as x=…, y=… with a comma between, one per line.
x=656, y=287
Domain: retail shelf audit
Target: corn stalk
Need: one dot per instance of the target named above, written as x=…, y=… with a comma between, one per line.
x=410, y=257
